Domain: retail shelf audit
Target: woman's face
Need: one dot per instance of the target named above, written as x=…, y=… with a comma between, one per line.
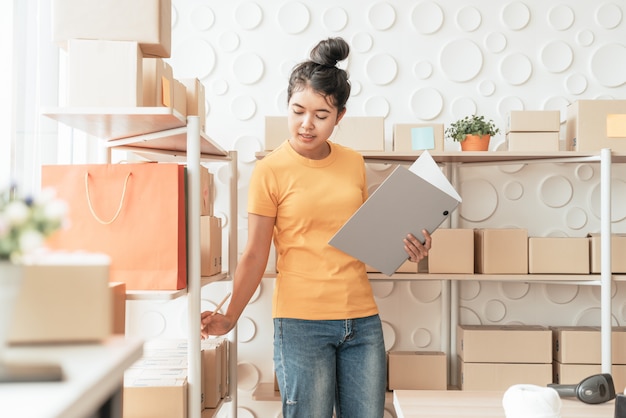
x=311, y=120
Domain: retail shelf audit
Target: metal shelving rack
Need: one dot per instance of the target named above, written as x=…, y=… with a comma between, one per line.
x=161, y=134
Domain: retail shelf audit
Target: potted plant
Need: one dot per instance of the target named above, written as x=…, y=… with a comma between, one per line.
x=473, y=132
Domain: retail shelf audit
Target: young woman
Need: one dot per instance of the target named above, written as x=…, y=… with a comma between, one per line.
x=328, y=342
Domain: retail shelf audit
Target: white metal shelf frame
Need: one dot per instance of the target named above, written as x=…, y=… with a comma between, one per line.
x=161, y=132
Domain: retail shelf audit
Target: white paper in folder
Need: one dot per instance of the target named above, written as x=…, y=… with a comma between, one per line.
x=408, y=201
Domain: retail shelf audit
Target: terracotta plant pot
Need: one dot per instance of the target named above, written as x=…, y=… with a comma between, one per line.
x=475, y=143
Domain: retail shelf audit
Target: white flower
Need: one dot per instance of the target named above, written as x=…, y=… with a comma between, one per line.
x=16, y=212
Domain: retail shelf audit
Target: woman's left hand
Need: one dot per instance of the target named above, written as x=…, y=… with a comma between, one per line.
x=415, y=249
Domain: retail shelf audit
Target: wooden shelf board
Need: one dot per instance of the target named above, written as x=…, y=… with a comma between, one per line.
x=171, y=294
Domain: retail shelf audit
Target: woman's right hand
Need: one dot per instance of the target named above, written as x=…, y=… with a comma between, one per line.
x=217, y=324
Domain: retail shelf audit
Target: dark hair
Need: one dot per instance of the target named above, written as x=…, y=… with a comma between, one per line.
x=321, y=73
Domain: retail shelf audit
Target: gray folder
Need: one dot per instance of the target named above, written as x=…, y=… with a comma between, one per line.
x=406, y=202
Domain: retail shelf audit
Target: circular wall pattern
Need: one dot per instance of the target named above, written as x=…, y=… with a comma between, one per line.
x=421, y=338
x=247, y=147
x=425, y=291
x=202, y=18
x=590, y=317
x=468, y=19
x=576, y=83
x=423, y=70
x=243, y=107
x=426, y=103
x=382, y=289
x=515, y=290
x=516, y=69
x=561, y=294
x=293, y=17
x=461, y=60
x=389, y=335
x=376, y=106
x=480, y=200
x=248, y=15
x=381, y=69
x=618, y=209
x=608, y=65
x=228, y=41
x=557, y=56
x=381, y=16
x=219, y=87
x=609, y=15
x=151, y=324
x=248, y=68
x=469, y=290
x=576, y=218
x=585, y=37
x=427, y=17
x=468, y=316
x=515, y=15
x=584, y=172
x=495, y=310
x=486, y=88
x=335, y=19
x=246, y=329
x=513, y=190
x=557, y=103
x=362, y=42
x=247, y=376
x=495, y=42
x=507, y=104
x=561, y=17
x=195, y=58
x=244, y=413
x=555, y=191
x=462, y=106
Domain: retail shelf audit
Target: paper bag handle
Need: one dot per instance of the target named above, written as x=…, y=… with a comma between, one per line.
x=119, y=208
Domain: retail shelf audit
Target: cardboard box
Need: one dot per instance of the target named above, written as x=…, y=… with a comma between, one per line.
x=64, y=301
x=504, y=344
x=618, y=249
x=180, y=98
x=533, y=141
x=418, y=136
x=148, y=22
x=418, y=370
x=212, y=373
x=562, y=255
x=582, y=345
x=157, y=81
x=588, y=122
x=452, y=251
x=501, y=251
x=196, y=105
x=501, y=376
x=118, y=307
x=533, y=121
x=104, y=74
x=361, y=133
x=207, y=187
x=155, y=397
x=571, y=374
x=210, y=245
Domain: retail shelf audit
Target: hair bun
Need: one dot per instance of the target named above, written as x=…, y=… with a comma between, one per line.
x=330, y=51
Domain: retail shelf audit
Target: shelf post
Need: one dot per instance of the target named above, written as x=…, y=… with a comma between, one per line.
x=194, y=392
x=232, y=265
x=605, y=259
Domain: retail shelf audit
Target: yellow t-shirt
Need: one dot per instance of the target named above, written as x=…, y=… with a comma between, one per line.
x=311, y=200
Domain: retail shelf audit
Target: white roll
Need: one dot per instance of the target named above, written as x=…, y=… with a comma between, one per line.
x=531, y=401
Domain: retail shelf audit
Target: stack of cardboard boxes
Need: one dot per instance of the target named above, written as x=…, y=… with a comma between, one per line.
x=533, y=130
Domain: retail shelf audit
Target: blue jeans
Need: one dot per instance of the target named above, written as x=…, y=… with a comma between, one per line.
x=325, y=364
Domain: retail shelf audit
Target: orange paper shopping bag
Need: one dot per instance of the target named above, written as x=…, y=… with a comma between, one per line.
x=135, y=213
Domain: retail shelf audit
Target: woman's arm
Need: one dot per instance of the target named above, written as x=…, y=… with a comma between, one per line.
x=248, y=275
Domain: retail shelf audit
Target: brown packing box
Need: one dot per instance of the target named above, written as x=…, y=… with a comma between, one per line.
x=533, y=121
x=180, y=98
x=207, y=187
x=158, y=82
x=63, y=303
x=571, y=374
x=418, y=136
x=562, y=255
x=618, y=249
x=417, y=370
x=118, y=307
x=501, y=376
x=210, y=245
x=533, y=141
x=501, y=251
x=504, y=343
x=212, y=373
x=104, y=74
x=155, y=397
x=452, y=251
x=583, y=345
x=587, y=124
x=149, y=22
x=362, y=133
x=196, y=105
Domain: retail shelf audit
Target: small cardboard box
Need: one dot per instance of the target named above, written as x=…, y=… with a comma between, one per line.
x=533, y=141
x=501, y=376
x=64, y=301
x=618, y=249
x=118, y=307
x=155, y=397
x=452, y=251
x=504, y=343
x=210, y=245
x=533, y=121
x=207, y=187
x=558, y=255
x=418, y=136
x=572, y=374
x=149, y=22
x=583, y=345
x=158, y=80
x=588, y=123
x=196, y=105
x=361, y=133
x=179, y=103
x=501, y=251
x=104, y=74
x=417, y=370
x=212, y=373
